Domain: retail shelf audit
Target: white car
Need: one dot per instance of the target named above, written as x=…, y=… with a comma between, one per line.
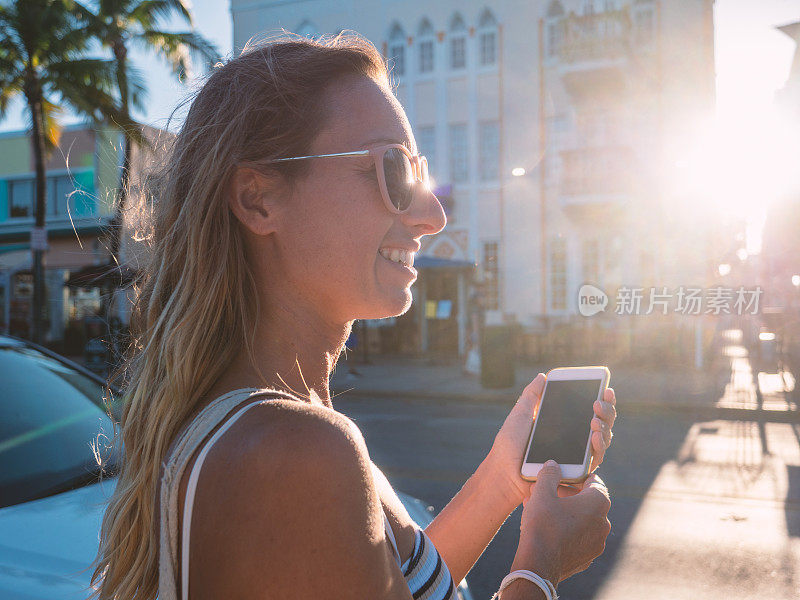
x=51, y=498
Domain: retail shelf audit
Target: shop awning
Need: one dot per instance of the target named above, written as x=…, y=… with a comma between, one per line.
x=15, y=260
x=106, y=275
x=434, y=262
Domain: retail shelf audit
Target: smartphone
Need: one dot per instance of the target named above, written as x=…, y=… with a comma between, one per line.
x=562, y=428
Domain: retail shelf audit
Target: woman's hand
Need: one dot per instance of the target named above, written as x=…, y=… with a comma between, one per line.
x=512, y=439
x=562, y=536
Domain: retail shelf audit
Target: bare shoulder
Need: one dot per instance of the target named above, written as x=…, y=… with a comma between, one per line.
x=286, y=505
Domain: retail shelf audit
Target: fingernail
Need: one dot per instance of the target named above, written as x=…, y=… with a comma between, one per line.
x=551, y=463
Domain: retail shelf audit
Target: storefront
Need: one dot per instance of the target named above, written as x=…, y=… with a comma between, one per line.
x=66, y=306
x=436, y=324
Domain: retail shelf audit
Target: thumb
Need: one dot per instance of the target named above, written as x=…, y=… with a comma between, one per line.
x=548, y=479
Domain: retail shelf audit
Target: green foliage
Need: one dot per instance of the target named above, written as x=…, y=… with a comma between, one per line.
x=43, y=58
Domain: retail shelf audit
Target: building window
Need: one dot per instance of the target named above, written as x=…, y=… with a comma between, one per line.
x=459, y=159
x=487, y=38
x=426, y=143
x=591, y=262
x=458, y=52
x=554, y=37
x=426, y=56
x=458, y=43
x=59, y=194
x=398, y=55
x=397, y=50
x=488, y=41
x=489, y=135
x=491, y=275
x=558, y=274
x=21, y=198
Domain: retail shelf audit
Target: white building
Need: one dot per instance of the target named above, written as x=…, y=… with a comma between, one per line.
x=581, y=96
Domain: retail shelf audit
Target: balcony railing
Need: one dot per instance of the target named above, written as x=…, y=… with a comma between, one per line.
x=600, y=36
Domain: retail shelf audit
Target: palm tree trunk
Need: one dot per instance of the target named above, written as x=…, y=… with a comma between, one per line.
x=33, y=96
x=118, y=221
x=121, y=55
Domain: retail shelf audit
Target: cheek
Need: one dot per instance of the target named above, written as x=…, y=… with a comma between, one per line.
x=341, y=234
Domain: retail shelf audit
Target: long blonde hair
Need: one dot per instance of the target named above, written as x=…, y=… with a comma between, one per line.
x=197, y=306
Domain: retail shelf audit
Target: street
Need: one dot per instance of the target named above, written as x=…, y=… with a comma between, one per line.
x=700, y=508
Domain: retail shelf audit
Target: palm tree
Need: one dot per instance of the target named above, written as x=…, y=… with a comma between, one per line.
x=43, y=58
x=120, y=24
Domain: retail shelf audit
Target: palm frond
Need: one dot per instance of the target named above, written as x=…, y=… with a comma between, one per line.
x=52, y=126
x=177, y=48
x=137, y=88
x=149, y=12
x=89, y=72
x=86, y=19
x=10, y=88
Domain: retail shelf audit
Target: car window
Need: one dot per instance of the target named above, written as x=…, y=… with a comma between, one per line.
x=51, y=415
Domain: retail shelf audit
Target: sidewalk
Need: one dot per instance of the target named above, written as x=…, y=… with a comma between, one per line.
x=670, y=389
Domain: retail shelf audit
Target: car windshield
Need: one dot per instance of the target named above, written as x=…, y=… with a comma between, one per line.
x=51, y=419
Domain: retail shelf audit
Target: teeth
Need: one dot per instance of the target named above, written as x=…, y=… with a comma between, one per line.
x=398, y=255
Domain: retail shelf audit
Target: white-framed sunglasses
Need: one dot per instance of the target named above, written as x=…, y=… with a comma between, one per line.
x=398, y=171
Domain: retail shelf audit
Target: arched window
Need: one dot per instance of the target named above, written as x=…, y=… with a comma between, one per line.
x=397, y=50
x=487, y=39
x=307, y=29
x=458, y=42
x=425, y=46
x=554, y=29
x=554, y=10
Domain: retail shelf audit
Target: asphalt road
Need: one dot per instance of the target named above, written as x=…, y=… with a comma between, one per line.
x=700, y=509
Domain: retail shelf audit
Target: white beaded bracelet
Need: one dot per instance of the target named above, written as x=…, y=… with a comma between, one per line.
x=548, y=588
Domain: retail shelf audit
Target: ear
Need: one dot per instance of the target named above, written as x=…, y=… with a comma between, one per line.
x=254, y=198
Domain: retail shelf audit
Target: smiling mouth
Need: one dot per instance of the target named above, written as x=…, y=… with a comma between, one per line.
x=398, y=255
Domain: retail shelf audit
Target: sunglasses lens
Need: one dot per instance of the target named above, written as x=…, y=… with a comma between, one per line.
x=399, y=178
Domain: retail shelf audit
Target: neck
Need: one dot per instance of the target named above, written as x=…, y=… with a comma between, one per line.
x=294, y=349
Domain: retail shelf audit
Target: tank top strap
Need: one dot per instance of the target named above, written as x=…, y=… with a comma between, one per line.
x=216, y=413
x=390, y=535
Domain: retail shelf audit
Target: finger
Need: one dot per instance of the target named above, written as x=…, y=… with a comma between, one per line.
x=547, y=480
x=607, y=437
x=595, y=498
x=535, y=387
x=605, y=410
x=528, y=400
x=594, y=482
x=598, y=424
x=598, y=450
x=609, y=396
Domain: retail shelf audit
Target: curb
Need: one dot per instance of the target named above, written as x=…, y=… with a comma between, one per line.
x=635, y=407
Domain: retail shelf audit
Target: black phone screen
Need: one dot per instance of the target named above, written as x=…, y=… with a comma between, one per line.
x=563, y=423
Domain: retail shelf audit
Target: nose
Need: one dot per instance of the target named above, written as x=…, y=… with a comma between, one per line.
x=426, y=214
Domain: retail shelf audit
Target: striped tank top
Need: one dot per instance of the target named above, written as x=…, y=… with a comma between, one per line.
x=427, y=576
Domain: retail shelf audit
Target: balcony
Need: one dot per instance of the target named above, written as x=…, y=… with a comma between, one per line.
x=595, y=51
x=596, y=180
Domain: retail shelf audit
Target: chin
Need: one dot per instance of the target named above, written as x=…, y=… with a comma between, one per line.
x=390, y=306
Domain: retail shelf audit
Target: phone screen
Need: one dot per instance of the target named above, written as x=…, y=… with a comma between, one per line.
x=562, y=427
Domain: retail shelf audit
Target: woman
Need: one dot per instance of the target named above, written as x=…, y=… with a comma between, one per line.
x=261, y=259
